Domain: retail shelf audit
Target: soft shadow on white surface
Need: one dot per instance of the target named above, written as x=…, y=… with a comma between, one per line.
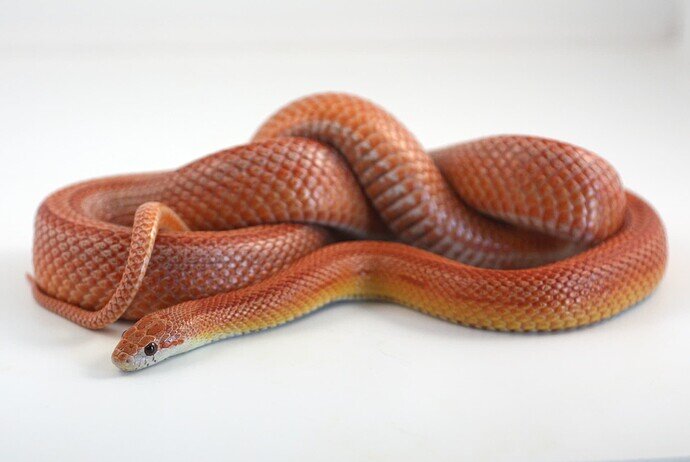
x=355, y=381
x=371, y=373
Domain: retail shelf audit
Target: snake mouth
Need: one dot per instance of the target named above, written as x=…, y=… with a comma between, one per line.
x=125, y=361
x=128, y=357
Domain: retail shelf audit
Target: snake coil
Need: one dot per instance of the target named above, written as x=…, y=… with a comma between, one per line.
x=507, y=233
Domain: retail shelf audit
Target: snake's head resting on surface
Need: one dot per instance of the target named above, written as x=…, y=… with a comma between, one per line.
x=150, y=340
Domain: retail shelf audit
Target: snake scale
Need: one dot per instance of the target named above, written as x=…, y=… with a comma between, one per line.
x=335, y=199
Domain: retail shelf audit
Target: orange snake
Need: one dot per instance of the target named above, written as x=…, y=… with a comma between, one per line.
x=511, y=233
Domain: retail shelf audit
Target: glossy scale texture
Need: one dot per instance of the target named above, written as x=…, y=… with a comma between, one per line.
x=508, y=233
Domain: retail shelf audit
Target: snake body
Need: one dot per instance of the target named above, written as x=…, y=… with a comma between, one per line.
x=512, y=233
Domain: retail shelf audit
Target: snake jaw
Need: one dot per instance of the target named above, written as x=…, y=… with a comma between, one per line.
x=128, y=362
x=149, y=341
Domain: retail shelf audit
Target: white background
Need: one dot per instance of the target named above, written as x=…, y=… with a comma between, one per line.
x=96, y=88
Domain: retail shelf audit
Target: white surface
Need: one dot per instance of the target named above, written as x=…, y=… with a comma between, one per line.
x=160, y=24
x=353, y=381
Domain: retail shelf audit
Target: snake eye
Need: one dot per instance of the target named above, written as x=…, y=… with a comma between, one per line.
x=150, y=349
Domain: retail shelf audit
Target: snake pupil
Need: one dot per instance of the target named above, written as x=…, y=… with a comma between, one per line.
x=150, y=349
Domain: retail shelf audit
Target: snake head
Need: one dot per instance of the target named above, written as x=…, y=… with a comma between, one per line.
x=150, y=340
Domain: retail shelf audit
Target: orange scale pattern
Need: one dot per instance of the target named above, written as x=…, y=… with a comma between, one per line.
x=515, y=233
